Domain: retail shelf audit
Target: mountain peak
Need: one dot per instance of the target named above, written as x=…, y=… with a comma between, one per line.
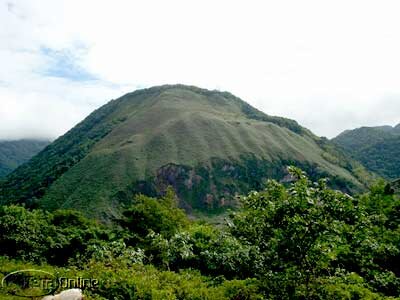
x=207, y=145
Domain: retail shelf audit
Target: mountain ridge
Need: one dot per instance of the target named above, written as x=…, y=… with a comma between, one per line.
x=377, y=148
x=13, y=153
x=208, y=145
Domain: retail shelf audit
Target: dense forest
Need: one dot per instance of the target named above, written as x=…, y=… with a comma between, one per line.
x=15, y=153
x=377, y=148
x=299, y=240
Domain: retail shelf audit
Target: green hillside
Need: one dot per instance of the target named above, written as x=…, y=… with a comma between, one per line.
x=208, y=145
x=396, y=186
x=377, y=148
x=397, y=128
x=15, y=153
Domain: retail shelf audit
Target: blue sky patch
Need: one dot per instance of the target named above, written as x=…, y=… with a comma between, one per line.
x=63, y=64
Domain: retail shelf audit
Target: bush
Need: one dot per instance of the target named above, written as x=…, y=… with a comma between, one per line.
x=148, y=214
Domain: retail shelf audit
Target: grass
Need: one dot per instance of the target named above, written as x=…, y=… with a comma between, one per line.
x=133, y=137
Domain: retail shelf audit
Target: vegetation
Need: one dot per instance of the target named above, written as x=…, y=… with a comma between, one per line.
x=395, y=186
x=30, y=181
x=383, y=158
x=296, y=241
x=377, y=148
x=207, y=145
x=15, y=153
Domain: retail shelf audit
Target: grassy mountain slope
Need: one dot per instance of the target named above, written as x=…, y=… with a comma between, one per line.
x=377, y=148
x=208, y=145
x=15, y=153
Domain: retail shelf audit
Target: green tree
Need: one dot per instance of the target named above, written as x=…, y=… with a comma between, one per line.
x=25, y=234
x=148, y=214
x=307, y=232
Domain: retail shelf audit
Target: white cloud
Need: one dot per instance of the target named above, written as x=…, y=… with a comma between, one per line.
x=329, y=65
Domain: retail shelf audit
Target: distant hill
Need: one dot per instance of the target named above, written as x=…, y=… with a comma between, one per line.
x=395, y=185
x=15, y=153
x=377, y=148
x=207, y=145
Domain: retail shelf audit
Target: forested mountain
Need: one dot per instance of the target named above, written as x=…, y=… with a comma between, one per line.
x=15, y=153
x=396, y=186
x=207, y=145
x=377, y=148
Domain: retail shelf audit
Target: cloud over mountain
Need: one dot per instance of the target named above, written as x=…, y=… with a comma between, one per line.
x=331, y=67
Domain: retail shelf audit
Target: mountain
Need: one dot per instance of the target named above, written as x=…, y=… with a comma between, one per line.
x=15, y=153
x=207, y=145
x=396, y=186
x=377, y=148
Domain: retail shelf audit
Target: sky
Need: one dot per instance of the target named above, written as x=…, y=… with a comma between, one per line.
x=330, y=65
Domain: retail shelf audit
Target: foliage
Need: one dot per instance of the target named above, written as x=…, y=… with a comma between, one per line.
x=307, y=232
x=377, y=148
x=382, y=158
x=212, y=251
x=24, y=234
x=30, y=180
x=15, y=153
x=147, y=215
x=135, y=281
x=299, y=240
x=39, y=236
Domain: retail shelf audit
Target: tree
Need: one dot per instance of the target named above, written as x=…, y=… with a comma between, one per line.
x=307, y=232
x=148, y=214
